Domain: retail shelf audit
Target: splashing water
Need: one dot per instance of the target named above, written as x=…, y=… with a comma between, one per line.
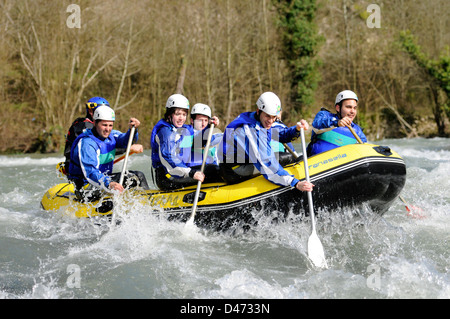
x=49, y=255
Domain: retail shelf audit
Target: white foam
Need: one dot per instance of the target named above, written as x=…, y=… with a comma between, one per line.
x=245, y=284
x=10, y=161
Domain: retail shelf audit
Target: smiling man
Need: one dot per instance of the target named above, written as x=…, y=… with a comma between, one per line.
x=246, y=149
x=330, y=129
x=93, y=152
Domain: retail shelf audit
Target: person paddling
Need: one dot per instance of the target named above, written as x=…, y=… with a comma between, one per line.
x=92, y=156
x=171, y=141
x=79, y=126
x=201, y=120
x=246, y=146
x=329, y=130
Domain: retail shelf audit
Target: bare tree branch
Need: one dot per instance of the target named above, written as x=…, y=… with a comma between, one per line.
x=125, y=67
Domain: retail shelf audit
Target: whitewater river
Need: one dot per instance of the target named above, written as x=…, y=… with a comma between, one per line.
x=48, y=255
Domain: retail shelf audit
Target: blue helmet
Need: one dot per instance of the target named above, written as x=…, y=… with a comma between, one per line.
x=95, y=102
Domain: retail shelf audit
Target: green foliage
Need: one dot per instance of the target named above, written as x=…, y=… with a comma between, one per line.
x=438, y=70
x=300, y=45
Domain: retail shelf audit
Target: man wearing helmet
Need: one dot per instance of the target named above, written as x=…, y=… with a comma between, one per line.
x=79, y=125
x=201, y=117
x=246, y=146
x=330, y=130
x=92, y=156
x=171, y=142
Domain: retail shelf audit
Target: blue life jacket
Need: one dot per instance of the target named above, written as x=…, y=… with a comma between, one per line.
x=171, y=148
x=198, y=147
x=245, y=141
x=277, y=146
x=327, y=135
x=92, y=158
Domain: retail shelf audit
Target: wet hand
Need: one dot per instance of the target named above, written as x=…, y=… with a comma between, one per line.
x=116, y=186
x=345, y=121
x=199, y=176
x=215, y=120
x=304, y=186
x=134, y=122
x=136, y=148
x=302, y=124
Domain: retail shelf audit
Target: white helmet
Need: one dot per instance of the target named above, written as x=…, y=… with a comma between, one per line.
x=104, y=113
x=200, y=108
x=177, y=100
x=269, y=103
x=345, y=95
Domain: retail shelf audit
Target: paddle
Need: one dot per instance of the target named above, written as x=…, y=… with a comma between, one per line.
x=354, y=134
x=127, y=153
x=290, y=150
x=413, y=211
x=124, y=168
x=122, y=157
x=190, y=221
x=315, y=248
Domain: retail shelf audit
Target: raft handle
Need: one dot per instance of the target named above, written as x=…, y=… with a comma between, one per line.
x=189, y=197
x=384, y=150
x=105, y=206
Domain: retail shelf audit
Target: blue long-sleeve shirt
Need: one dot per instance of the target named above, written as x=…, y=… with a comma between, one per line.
x=276, y=145
x=92, y=157
x=171, y=148
x=246, y=141
x=326, y=134
x=199, y=143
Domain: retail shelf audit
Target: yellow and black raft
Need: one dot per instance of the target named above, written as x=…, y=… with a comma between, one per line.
x=351, y=175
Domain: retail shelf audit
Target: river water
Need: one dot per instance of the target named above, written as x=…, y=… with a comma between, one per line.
x=48, y=255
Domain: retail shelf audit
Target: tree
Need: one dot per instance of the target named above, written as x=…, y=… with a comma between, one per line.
x=300, y=45
x=438, y=72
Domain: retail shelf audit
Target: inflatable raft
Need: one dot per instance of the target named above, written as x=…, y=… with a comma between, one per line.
x=351, y=175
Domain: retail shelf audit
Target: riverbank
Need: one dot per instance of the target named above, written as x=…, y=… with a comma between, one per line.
x=18, y=139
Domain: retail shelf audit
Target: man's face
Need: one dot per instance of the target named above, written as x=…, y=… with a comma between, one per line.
x=266, y=119
x=104, y=128
x=349, y=109
x=200, y=122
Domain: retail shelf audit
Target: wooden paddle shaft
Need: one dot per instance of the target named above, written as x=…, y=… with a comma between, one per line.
x=354, y=134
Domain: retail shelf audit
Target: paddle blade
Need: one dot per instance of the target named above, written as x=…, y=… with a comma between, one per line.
x=315, y=251
x=190, y=222
x=415, y=212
